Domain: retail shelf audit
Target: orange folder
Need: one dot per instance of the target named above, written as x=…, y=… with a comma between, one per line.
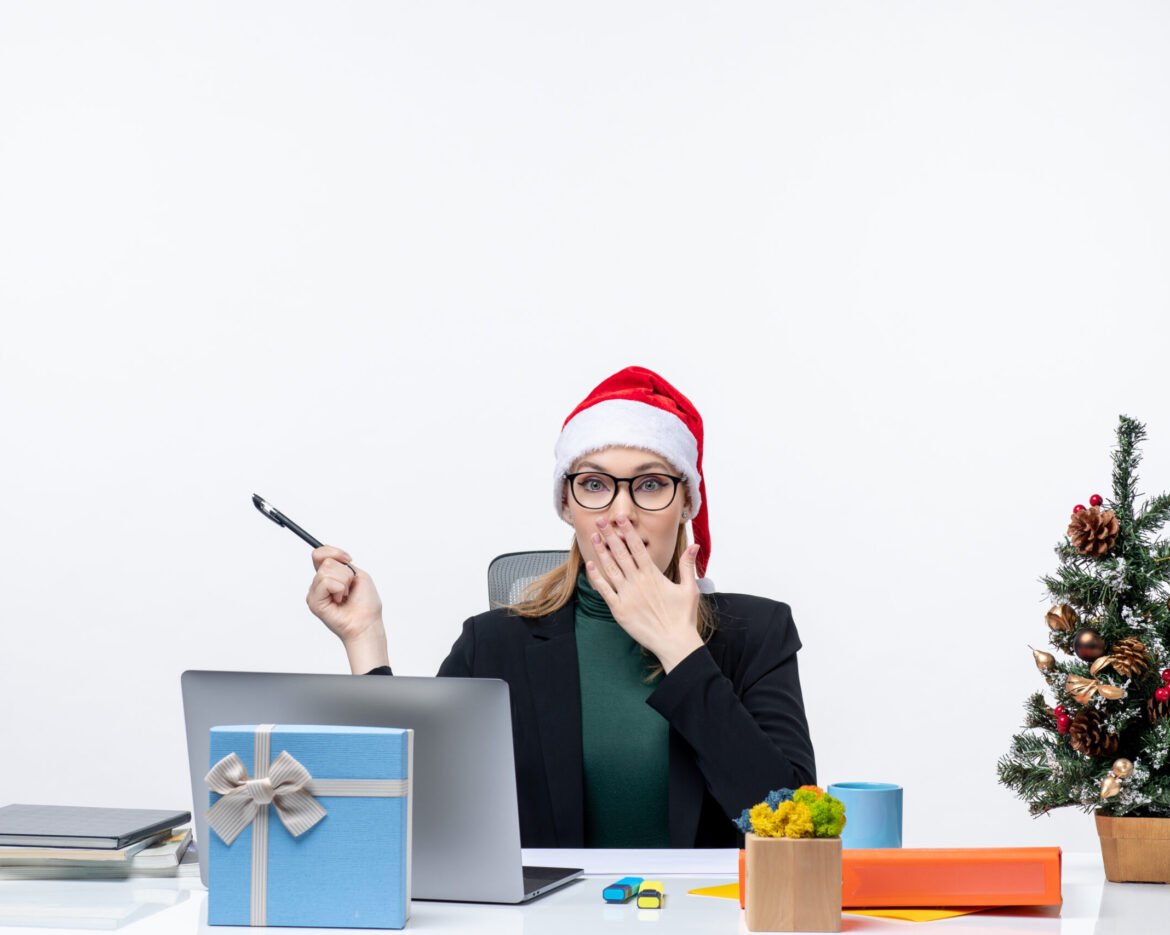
x=951, y=876
x=742, y=878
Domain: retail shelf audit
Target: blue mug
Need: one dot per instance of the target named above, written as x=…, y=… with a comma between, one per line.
x=873, y=813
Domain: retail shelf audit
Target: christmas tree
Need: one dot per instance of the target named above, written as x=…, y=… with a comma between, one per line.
x=1105, y=746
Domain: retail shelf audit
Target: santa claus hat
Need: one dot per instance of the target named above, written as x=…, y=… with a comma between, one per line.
x=636, y=408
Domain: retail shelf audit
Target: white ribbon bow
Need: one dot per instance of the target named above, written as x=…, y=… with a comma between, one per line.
x=243, y=798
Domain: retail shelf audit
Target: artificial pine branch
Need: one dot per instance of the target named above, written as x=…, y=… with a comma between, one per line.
x=1126, y=457
x=1037, y=713
x=1074, y=584
x=1154, y=513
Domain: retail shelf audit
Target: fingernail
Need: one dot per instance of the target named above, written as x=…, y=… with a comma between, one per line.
x=601, y=523
x=596, y=539
x=346, y=557
x=622, y=521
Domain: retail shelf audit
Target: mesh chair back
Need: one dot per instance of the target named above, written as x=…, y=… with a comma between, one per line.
x=510, y=574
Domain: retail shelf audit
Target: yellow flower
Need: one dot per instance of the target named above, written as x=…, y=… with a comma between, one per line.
x=761, y=817
x=789, y=820
x=779, y=820
x=800, y=821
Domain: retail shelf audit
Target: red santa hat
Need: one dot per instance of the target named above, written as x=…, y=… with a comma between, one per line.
x=636, y=408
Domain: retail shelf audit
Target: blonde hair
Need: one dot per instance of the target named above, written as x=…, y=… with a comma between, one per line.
x=554, y=589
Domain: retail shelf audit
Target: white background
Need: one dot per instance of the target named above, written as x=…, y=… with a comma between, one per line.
x=908, y=259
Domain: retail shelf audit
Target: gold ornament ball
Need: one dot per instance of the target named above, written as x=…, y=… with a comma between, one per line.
x=1044, y=661
x=1088, y=644
x=1122, y=769
x=1110, y=787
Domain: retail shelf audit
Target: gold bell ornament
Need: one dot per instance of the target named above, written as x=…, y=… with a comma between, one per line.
x=1111, y=784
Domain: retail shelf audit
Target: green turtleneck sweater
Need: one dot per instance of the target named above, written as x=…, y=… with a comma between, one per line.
x=624, y=740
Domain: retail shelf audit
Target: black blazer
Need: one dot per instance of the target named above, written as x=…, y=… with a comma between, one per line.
x=737, y=724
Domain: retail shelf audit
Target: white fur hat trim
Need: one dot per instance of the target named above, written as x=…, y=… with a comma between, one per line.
x=623, y=422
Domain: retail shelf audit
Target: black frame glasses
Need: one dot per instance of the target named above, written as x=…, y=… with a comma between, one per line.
x=618, y=480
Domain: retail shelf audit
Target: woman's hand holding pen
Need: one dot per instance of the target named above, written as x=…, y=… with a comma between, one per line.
x=660, y=615
x=347, y=603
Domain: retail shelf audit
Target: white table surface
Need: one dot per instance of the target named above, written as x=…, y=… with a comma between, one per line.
x=153, y=906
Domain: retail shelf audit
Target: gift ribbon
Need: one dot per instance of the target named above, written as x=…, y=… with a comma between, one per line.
x=1082, y=689
x=287, y=786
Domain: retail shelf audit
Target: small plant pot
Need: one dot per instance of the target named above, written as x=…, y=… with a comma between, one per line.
x=792, y=884
x=1135, y=850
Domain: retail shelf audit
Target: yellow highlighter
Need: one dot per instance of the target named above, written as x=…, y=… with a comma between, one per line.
x=650, y=894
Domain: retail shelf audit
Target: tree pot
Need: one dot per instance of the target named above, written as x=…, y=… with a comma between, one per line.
x=792, y=884
x=1135, y=850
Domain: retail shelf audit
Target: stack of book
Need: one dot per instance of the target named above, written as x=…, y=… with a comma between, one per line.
x=64, y=841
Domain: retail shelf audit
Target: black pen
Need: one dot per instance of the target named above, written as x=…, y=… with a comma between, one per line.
x=281, y=520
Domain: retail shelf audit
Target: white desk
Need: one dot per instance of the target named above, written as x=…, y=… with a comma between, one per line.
x=169, y=906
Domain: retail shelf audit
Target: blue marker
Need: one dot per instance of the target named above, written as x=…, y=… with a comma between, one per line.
x=622, y=890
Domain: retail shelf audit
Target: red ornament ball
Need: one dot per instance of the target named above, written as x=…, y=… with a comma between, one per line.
x=1059, y=711
x=1095, y=500
x=1078, y=508
x=1064, y=721
x=1166, y=676
x=1162, y=694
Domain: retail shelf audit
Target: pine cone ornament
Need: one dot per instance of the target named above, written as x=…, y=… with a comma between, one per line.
x=1087, y=735
x=1129, y=657
x=1093, y=531
x=1156, y=710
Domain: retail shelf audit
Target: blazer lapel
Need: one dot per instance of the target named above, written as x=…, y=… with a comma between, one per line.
x=556, y=695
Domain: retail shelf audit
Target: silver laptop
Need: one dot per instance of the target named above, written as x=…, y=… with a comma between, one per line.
x=466, y=826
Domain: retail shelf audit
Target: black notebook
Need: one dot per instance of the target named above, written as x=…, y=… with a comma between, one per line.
x=80, y=826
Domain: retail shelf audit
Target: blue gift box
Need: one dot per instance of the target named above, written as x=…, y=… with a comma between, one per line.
x=350, y=867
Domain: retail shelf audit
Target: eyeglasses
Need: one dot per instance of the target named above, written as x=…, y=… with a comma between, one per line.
x=595, y=491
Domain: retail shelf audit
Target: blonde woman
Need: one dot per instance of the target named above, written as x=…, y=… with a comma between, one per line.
x=648, y=710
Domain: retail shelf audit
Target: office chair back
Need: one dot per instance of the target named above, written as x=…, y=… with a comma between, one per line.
x=510, y=574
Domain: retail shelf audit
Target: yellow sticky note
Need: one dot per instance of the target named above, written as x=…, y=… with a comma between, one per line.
x=726, y=891
x=915, y=915
x=731, y=891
